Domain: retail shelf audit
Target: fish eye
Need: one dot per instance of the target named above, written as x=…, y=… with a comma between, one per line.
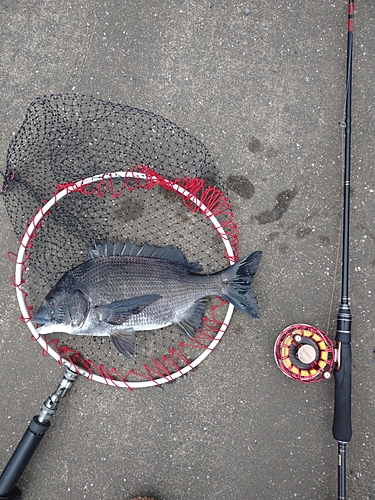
x=51, y=302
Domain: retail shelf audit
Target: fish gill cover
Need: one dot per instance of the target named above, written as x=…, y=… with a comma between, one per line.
x=67, y=138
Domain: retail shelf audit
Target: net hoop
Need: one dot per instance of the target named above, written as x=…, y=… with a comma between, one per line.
x=293, y=338
x=30, y=233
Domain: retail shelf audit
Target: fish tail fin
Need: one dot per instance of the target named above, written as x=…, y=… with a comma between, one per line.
x=237, y=284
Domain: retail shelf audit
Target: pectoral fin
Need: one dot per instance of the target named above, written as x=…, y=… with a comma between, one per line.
x=124, y=341
x=116, y=313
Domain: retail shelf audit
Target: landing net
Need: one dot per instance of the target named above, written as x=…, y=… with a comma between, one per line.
x=81, y=169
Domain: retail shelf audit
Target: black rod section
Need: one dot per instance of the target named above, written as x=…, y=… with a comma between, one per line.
x=348, y=134
x=21, y=457
x=342, y=471
x=30, y=441
x=342, y=425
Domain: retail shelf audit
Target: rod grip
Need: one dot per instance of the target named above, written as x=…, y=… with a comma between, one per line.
x=342, y=422
x=21, y=457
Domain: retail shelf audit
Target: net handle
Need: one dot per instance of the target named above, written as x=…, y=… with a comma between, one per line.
x=30, y=233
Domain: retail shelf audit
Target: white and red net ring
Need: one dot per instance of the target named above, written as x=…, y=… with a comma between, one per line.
x=304, y=353
x=31, y=232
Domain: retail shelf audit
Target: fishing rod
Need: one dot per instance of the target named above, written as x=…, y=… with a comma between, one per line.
x=307, y=354
x=342, y=427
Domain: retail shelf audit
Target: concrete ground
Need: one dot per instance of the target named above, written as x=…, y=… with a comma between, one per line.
x=262, y=84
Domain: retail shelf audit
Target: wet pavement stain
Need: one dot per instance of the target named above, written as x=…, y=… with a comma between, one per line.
x=283, y=249
x=129, y=210
x=212, y=179
x=325, y=240
x=254, y=146
x=270, y=153
x=272, y=236
x=171, y=196
x=241, y=186
x=283, y=200
x=302, y=232
x=177, y=206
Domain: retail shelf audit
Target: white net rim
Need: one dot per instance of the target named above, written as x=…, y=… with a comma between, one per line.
x=30, y=233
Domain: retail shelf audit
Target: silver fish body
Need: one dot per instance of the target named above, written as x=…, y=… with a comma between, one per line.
x=124, y=288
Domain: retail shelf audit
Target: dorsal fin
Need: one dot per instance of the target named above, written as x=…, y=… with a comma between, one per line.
x=172, y=254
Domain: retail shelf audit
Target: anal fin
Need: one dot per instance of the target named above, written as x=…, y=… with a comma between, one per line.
x=192, y=319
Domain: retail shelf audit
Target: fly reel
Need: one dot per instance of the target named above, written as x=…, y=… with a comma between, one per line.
x=304, y=353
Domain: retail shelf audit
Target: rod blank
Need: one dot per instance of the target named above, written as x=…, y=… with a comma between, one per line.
x=342, y=425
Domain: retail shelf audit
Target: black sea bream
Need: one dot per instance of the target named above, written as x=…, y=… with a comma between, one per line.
x=123, y=288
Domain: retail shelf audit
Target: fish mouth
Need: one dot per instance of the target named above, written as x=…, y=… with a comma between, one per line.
x=42, y=325
x=45, y=326
x=39, y=324
x=37, y=321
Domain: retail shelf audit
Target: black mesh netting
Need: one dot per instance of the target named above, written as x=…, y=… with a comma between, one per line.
x=64, y=139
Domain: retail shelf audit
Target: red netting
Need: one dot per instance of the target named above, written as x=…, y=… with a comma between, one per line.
x=67, y=138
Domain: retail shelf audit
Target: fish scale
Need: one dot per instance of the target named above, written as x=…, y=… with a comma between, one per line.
x=125, y=278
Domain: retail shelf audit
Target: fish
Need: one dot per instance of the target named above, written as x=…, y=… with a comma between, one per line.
x=123, y=288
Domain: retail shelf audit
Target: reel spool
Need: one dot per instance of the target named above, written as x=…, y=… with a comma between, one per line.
x=304, y=353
